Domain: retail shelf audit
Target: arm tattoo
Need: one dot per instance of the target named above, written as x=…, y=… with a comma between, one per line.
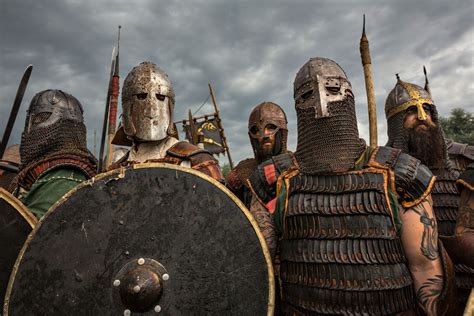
x=429, y=240
x=429, y=293
x=265, y=223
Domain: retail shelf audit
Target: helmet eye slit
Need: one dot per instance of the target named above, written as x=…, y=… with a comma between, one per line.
x=141, y=96
x=160, y=97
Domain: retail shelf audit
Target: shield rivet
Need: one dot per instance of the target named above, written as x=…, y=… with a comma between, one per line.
x=136, y=289
x=166, y=277
x=126, y=312
x=157, y=308
x=117, y=283
x=141, y=261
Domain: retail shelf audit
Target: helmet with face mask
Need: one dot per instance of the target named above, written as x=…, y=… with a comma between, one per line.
x=328, y=137
x=148, y=103
x=271, y=117
x=54, y=124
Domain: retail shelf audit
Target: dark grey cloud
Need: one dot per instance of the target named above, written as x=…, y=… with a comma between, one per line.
x=250, y=51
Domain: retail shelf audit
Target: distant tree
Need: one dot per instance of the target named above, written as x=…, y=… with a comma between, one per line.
x=459, y=126
x=225, y=168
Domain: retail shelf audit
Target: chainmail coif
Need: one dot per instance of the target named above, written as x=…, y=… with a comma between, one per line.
x=64, y=136
x=329, y=144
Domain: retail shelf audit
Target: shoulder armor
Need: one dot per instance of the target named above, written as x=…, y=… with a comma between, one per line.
x=386, y=156
x=185, y=150
x=467, y=177
x=283, y=161
x=239, y=175
x=465, y=150
x=264, y=179
x=413, y=180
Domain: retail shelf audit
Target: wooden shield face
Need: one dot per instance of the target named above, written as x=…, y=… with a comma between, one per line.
x=153, y=238
x=16, y=222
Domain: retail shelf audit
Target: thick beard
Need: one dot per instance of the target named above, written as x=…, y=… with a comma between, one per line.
x=427, y=146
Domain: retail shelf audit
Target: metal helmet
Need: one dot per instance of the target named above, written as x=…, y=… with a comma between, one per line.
x=403, y=97
x=148, y=103
x=328, y=137
x=264, y=115
x=54, y=123
x=319, y=82
x=51, y=106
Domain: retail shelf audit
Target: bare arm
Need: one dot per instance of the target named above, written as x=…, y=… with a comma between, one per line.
x=420, y=242
x=265, y=223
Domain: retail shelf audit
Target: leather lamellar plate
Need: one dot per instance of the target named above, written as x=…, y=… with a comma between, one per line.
x=413, y=180
x=340, y=253
x=446, y=199
x=461, y=155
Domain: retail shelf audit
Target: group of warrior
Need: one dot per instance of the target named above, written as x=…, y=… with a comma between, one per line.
x=351, y=229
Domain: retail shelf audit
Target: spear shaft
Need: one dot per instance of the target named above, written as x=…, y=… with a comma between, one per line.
x=369, y=86
x=113, y=104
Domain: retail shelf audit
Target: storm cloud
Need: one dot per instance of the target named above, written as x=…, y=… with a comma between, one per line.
x=249, y=51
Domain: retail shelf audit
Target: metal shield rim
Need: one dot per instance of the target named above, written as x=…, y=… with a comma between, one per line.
x=20, y=207
x=121, y=174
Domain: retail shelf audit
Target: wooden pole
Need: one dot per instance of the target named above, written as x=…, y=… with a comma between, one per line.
x=113, y=105
x=369, y=86
x=221, y=128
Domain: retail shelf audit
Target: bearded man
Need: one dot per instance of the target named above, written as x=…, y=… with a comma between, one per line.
x=147, y=124
x=414, y=128
x=268, y=133
x=356, y=226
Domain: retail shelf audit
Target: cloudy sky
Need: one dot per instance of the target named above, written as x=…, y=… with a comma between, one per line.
x=249, y=50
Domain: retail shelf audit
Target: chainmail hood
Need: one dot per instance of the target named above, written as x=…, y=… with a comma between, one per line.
x=54, y=125
x=328, y=137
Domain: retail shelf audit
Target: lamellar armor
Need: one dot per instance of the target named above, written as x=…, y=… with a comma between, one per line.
x=263, y=115
x=54, y=136
x=452, y=159
x=337, y=206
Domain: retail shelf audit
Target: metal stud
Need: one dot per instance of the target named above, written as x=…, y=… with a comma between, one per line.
x=141, y=261
x=136, y=288
x=166, y=277
x=157, y=309
x=127, y=312
x=117, y=283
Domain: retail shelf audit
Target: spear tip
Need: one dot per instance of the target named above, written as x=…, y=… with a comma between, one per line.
x=363, y=26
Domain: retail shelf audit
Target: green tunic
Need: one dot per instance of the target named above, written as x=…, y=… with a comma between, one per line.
x=50, y=187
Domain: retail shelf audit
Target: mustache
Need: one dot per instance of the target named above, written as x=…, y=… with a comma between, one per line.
x=425, y=123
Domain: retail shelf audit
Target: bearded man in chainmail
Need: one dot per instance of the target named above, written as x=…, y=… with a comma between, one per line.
x=268, y=133
x=147, y=124
x=357, y=231
x=53, y=151
x=414, y=127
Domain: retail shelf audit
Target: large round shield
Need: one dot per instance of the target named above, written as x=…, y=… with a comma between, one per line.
x=16, y=222
x=152, y=238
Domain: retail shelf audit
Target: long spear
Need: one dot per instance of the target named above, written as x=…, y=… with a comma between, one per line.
x=113, y=104
x=369, y=86
x=106, y=114
x=221, y=128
